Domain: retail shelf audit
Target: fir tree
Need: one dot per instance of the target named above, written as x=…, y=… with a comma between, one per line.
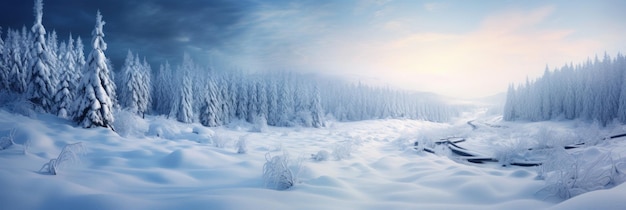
x=210, y=106
x=4, y=70
x=13, y=62
x=163, y=89
x=183, y=108
x=317, y=112
x=94, y=99
x=40, y=86
x=134, y=85
x=64, y=97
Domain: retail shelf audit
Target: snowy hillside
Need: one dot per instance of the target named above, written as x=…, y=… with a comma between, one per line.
x=77, y=133
x=162, y=164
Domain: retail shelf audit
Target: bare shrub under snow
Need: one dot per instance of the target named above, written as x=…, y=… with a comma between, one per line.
x=22, y=106
x=69, y=154
x=260, y=124
x=342, y=150
x=279, y=172
x=241, y=145
x=512, y=150
x=568, y=175
x=7, y=141
x=221, y=141
x=128, y=123
x=322, y=155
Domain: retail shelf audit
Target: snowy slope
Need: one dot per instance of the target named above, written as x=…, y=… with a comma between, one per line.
x=161, y=164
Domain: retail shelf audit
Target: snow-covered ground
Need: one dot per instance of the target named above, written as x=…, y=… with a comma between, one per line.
x=157, y=163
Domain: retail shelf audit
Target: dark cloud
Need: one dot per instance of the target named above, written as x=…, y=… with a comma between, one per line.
x=157, y=29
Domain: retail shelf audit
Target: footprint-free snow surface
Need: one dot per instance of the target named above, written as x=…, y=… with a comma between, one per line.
x=157, y=163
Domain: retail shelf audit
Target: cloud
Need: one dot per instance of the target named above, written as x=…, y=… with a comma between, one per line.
x=433, y=6
x=508, y=46
x=157, y=29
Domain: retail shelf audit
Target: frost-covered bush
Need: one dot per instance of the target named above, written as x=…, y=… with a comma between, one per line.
x=589, y=133
x=69, y=154
x=279, y=172
x=241, y=145
x=322, y=155
x=342, y=150
x=22, y=106
x=201, y=130
x=7, y=141
x=204, y=134
x=163, y=127
x=26, y=146
x=259, y=124
x=304, y=118
x=422, y=142
x=406, y=140
x=128, y=123
x=546, y=138
x=511, y=150
x=221, y=141
x=568, y=175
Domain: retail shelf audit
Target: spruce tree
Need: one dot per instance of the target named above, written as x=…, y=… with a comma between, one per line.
x=94, y=99
x=40, y=86
x=64, y=97
x=163, y=90
x=4, y=70
x=183, y=107
x=13, y=62
x=317, y=112
x=210, y=106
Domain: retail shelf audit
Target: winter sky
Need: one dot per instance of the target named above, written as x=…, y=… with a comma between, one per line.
x=455, y=48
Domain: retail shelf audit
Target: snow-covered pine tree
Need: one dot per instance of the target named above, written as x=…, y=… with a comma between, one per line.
x=317, y=112
x=285, y=103
x=272, y=101
x=54, y=52
x=26, y=45
x=611, y=77
x=41, y=85
x=261, y=98
x=209, y=109
x=224, y=98
x=253, y=102
x=4, y=70
x=569, y=99
x=12, y=57
x=94, y=102
x=128, y=83
x=184, y=104
x=145, y=87
x=232, y=100
x=620, y=63
x=509, y=106
x=80, y=56
x=301, y=101
x=64, y=97
x=592, y=91
x=242, y=98
x=163, y=90
x=134, y=85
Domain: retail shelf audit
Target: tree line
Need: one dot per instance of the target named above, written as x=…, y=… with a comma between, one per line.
x=59, y=79
x=594, y=91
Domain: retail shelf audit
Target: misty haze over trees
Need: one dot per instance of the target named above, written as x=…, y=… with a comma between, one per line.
x=44, y=75
x=592, y=91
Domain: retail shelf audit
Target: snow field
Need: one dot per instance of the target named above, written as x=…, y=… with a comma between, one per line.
x=170, y=165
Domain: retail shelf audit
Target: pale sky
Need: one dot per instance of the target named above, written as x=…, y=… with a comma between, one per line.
x=455, y=48
x=458, y=48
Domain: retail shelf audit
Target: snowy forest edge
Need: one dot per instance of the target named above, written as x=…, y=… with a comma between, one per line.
x=39, y=74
